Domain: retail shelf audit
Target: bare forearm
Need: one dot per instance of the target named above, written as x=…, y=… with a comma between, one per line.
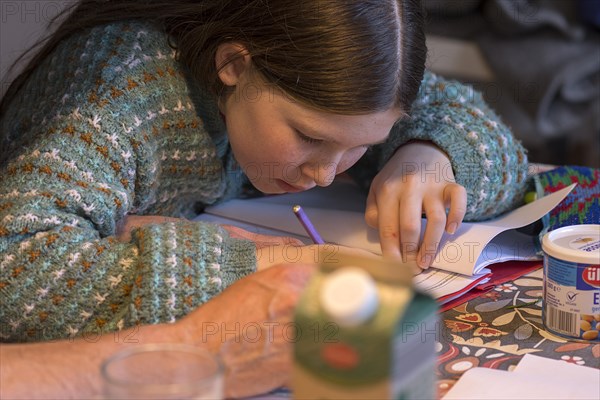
x=69, y=368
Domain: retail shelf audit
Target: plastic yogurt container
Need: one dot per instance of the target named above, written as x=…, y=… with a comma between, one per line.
x=571, y=306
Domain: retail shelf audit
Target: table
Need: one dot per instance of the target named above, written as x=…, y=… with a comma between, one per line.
x=496, y=329
x=485, y=332
x=488, y=331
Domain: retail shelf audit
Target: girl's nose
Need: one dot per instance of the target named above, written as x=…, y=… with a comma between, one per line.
x=322, y=172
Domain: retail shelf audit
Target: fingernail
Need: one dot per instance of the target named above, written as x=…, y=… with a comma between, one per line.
x=452, y=228
x=425, y=261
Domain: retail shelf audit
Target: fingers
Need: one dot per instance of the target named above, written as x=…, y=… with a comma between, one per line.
x=400, y=226
x=270, y=250
x=268, y=240
x=236, y=232
x=371, y=209
x=260, y=239
x=398, y=222
x=387, y=222
x=272, y=255
x=455, y=195
x=290, y=241
x=410, y=226
x=436, y=221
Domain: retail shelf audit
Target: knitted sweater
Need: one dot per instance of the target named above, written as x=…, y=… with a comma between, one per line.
x=116, y=126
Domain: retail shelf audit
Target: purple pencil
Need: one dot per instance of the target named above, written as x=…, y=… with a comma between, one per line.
x=308, y=226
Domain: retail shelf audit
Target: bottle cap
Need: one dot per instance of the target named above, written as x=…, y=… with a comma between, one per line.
x=349, y=296
x=574, y=243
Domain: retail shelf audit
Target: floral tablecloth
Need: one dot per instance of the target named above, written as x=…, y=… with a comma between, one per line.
x=499, y=327
x=495, y=330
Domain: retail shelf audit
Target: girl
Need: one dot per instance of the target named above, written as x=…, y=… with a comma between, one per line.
x=137, y=114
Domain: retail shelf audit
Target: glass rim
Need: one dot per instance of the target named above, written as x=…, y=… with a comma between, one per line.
x=156, y=348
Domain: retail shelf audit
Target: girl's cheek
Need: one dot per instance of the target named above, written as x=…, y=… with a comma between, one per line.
x=349, y=159
x=292, y=155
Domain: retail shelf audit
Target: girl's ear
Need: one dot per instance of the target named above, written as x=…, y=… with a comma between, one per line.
x=231, y=60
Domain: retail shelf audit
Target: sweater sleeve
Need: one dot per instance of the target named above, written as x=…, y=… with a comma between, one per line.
x=485, y=157
x=62, y=271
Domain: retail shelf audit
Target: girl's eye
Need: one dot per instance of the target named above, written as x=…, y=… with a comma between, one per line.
x=307, y=139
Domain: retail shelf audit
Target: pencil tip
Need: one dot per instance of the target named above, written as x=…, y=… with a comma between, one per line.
x=296, y=208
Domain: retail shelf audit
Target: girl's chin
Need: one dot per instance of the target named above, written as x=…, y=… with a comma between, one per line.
x=266, y=188
x=275, y=186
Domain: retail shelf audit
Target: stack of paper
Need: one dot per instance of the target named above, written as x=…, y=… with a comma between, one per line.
x=337, y=212
x=533, y=378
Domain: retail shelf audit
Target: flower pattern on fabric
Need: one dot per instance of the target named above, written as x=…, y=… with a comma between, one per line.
x=573, y=360
x=498, y=328
x=506, y=288
x=493, y=295
x=468, y=322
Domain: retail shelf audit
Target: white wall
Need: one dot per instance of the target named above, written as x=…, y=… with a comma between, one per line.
x=22, y=23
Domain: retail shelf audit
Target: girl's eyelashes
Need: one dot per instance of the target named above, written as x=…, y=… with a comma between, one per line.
x=311, y=140
x=307, y=139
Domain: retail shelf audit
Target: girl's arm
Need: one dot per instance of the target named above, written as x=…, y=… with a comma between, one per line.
x=485, y=157
x=472, y=150
x=109, y=139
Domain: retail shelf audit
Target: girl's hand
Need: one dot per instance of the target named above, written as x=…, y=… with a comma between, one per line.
x=417, y=179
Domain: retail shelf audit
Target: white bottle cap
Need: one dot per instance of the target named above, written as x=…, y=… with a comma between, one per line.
x=349, y=296
x=574, y=243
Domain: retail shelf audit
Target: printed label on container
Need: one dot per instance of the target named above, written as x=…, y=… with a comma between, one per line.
x=585, y=243
x=589, y=278
x=572, y=298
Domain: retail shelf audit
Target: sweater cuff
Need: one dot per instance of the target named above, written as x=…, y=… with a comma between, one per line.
x=182, y=265
x=490, y=165
x=239, y=260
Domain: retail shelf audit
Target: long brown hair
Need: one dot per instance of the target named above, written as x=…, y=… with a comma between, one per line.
x=340, y=56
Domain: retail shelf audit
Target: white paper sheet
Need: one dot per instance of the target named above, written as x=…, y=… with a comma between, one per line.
x=337, y=212
x=577, y=374
x=438, y=283
x=533, y=378
x=471, y=248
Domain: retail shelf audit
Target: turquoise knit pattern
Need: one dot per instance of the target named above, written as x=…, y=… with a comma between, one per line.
x=116, y=127
x=486, y=158
x=116, y=131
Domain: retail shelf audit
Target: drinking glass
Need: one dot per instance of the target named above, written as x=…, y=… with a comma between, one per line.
x=163, y=371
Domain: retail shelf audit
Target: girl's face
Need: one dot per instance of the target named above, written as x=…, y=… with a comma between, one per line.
x=283, y=146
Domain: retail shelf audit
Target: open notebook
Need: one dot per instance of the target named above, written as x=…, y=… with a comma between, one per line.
x=337, y=212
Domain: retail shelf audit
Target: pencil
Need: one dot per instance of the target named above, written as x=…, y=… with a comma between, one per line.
x=308, y=226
